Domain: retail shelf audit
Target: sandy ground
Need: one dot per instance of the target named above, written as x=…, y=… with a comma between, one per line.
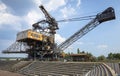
x=6, y=73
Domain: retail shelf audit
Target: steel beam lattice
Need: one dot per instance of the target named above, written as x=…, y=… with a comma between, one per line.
x=17, y=47
x=106, y=15
x=78, y=34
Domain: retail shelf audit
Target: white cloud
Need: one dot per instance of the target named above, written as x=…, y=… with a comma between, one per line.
x=54, y=4
x=78, y=3
x=68, y=11
x=32, y=17
x=102, y=46
x=59, y=39
x=38, y=2
x=2, y=7
x=8, y=18
x=50, y=5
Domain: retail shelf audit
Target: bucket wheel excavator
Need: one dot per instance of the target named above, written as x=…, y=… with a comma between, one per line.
x=39, y=43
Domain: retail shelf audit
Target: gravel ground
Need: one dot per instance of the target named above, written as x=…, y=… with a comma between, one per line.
x=6, y=73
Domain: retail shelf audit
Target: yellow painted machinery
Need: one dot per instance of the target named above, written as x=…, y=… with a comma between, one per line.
x=28, y=35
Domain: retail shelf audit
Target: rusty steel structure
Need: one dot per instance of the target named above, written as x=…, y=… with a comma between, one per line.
x=39, y=42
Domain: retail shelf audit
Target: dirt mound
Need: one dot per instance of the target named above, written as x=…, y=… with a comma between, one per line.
x=6, y=73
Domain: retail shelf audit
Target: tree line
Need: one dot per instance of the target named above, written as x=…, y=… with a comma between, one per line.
x=110, y=56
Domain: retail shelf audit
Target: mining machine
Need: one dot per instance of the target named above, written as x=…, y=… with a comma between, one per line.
x=39, y=43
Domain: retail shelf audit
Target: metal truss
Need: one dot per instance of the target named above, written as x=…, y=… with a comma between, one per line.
x=106, y=15
x=17, y=47
x=80, y=33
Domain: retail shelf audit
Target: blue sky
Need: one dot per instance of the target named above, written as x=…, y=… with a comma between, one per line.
x=18, y=15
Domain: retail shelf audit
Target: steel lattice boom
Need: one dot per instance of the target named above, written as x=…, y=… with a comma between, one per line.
x=106, y=15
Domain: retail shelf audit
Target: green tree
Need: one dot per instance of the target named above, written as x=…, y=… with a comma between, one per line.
x=91, y=57
x=83, y=51
x=78, y=51
x=101, y=58
x=110, y=56
x=114, y=56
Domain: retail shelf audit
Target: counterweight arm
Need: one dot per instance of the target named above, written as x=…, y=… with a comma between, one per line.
x=49, y=19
